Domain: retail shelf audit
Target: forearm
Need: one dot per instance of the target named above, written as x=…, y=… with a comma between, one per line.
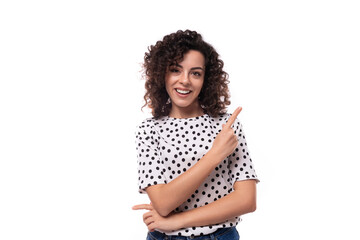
x=166, y=197
x=235, y=204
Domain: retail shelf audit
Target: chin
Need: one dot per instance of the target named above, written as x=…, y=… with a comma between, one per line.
x=179, y=105
x=182, y=104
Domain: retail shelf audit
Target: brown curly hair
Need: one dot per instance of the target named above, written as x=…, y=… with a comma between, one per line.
x=214, y=95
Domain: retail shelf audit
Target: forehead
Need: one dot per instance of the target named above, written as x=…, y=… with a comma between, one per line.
x=192, y=58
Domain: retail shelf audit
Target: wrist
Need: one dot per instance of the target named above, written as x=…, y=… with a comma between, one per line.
x=215, y=155
x=182, y=220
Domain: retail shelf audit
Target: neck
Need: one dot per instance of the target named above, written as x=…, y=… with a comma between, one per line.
x=186, y=113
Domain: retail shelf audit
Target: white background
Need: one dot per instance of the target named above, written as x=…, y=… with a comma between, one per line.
x=71, y=93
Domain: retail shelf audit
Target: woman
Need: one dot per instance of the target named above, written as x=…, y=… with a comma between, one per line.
x=193, y=159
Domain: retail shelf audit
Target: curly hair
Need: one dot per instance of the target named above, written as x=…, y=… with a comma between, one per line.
x=214, y=95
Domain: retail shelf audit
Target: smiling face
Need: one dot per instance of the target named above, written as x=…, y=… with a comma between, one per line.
x=183, y=83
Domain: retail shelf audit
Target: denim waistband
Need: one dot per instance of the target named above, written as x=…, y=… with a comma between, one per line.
x=159, y=235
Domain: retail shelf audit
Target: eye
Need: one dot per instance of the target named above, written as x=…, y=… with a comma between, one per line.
x=174, y=70
x=197, y=74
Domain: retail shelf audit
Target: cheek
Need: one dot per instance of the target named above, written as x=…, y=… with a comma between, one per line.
x=199, y=85
x=169, y=81
x=167, y=89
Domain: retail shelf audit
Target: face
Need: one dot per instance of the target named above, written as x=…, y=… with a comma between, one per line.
x=183, y=83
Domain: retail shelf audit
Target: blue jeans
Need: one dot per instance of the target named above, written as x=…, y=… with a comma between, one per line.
x=220, y=234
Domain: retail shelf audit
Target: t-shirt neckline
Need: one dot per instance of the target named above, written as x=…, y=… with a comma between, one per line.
x=186, y=119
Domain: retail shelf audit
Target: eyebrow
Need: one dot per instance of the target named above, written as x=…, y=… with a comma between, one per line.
x=178, y=65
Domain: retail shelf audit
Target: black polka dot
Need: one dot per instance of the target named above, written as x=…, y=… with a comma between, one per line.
x=168, y=147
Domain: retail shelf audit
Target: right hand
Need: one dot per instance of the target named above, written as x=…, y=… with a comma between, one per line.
x=154, y=220
x=226, y=141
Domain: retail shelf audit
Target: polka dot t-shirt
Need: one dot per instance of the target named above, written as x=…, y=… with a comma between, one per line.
x=167, y=147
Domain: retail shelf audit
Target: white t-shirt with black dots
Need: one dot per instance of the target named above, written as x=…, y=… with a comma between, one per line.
x=167, y=147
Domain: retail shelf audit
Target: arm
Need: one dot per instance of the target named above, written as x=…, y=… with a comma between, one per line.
x=239, y=202
x=166, y=197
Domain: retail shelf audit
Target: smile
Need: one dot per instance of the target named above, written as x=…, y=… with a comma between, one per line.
x=182, y=91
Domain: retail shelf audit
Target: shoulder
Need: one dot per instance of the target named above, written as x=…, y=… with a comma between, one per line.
x=145, y=124
x=148, y=126
x=223, y=118
x=151, y=122
x=145, y=127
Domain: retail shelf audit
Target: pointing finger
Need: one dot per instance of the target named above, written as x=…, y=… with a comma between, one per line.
x=232, y=118
x=142, y=206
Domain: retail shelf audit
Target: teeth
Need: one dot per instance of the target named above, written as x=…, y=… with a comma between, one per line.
x=182, y=91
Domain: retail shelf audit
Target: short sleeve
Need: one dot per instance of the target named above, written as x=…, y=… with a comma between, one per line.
x=241, y=166
x=150, y=167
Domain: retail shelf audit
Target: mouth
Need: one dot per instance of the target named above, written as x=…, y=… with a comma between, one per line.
x=182, y=92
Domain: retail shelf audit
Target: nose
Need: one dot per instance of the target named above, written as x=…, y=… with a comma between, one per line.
x=185, y=79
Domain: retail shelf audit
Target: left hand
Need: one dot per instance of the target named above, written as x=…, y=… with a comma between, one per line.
x=154, y=220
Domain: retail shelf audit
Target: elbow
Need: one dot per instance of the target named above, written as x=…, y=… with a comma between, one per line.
x=248, y=207
x=160, y=205
x=253, y=207
x=161, y=209
x=163, y=212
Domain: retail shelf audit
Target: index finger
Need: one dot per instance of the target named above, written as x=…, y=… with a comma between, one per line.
x=232, y=118
x=142, y=206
